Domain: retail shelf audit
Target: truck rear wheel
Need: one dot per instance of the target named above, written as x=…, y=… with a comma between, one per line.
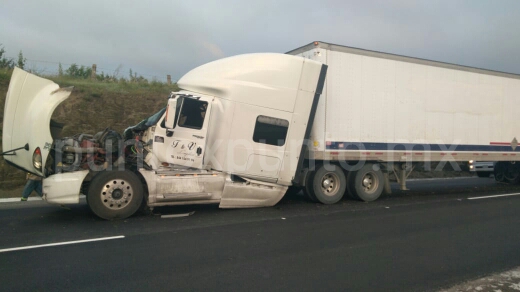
x=507, y=172
x=307, y=189
x=115, y=194
x=498, y=172
x=329, y=184
x=349, y=194
x=366, y=184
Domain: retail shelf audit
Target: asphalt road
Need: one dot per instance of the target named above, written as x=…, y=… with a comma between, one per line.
x=422, y=240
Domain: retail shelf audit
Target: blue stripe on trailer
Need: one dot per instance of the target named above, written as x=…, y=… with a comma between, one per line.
x=417, y=147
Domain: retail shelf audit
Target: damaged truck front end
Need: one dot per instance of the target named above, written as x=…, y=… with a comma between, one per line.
x=32, y=141
x=73, y=161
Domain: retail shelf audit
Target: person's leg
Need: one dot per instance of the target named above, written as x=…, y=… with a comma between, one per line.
x=38, y=188
x=27, y=190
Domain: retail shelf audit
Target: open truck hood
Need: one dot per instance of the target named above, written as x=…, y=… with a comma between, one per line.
x=29, y=105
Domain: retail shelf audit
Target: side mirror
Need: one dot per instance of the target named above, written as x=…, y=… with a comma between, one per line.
x=169, y=119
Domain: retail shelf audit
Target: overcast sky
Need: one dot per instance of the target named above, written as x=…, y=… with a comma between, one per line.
x=156, y=38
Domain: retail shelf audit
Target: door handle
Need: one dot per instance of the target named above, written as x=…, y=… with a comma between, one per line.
x=199, y=151
x=169, y=133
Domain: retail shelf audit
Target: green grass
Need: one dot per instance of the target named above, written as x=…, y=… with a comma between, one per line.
x=124, y=87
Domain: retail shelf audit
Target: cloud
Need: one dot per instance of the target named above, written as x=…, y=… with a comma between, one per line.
x=171, y=37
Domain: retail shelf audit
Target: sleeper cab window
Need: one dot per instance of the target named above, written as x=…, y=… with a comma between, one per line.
x=192, y=113
x=271, y=131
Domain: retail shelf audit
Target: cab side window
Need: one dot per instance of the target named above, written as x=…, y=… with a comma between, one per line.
x=271, y=131
x=192, y=113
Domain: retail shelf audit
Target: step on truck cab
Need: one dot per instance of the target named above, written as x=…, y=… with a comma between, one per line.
x=234, y=135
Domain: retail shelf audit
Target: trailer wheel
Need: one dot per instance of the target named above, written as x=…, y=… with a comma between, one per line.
x=329, y=185
x=115, y=194
x=366, y=184
x=507, y=172
x=513, y=173
x=348, y=192
x=499, y=172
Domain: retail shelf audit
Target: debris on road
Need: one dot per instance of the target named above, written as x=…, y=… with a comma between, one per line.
x=177, y=215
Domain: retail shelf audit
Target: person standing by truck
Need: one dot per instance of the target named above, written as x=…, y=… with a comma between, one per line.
x=34, y=183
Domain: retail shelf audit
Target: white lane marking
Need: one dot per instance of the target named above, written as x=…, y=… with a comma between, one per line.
x=442, y=178
x=10, y=200
x=495, y=196
x=61, y=243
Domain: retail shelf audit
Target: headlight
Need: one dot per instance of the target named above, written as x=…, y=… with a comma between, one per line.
x=470, y=162
x=37, y=159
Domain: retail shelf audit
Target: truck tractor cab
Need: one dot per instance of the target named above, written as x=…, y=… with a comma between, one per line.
x=233, y=136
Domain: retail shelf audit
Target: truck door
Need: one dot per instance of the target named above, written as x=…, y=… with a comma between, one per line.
x=184, y=144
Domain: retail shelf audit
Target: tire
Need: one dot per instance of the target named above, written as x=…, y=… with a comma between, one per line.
x=499, y=171
x=329, y=185
x=513, y=175
x=144, y=209
x=483, y=174
x=307, y=189
x=115, y=194
x=507, y=172
x=348, y=192
x=366, y=184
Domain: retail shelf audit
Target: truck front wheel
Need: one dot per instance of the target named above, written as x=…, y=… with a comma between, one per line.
x=329, y=184
x=366, y=184
x=115, y=194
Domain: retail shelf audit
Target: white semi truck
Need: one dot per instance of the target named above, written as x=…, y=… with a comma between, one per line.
x=244, y=129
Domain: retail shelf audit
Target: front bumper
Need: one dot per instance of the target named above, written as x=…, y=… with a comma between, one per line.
x=481, y=166
x=63, y=188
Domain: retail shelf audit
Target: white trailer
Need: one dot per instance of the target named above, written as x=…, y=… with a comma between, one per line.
x=394, y=112
x=244, y=129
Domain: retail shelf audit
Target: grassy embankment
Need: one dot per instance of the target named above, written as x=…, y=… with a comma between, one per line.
x=92, y=107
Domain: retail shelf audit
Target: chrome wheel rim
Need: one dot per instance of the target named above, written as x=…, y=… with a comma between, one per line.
x=116, y=194
x=370, y=182
x=330, y=184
